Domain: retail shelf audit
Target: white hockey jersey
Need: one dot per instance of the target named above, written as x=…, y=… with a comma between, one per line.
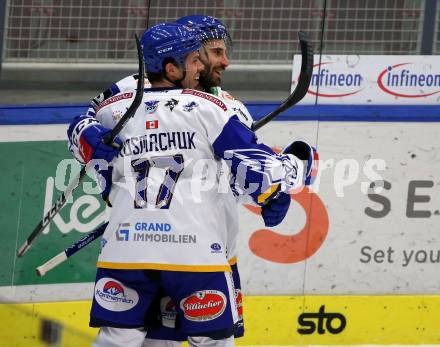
x=129, y=84
x=165, y=192
x=168, y=204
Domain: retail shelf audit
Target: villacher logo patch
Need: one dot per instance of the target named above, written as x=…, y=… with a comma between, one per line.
x=204, y=305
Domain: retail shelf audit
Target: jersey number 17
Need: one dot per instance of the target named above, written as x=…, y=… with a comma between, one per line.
x=173, y=166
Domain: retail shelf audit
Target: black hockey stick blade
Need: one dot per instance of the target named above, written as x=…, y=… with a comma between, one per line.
x=303, y=83
x=61, y=201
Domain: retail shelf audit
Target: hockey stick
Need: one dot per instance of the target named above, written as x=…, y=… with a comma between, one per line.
x=71, y=250
x=299, y=93
x=61, y=201
x=303, y=83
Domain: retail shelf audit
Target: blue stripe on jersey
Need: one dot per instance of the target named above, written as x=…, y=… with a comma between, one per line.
x=100, y=98
x=91, y=113
x=115, y=89
x=249, y=161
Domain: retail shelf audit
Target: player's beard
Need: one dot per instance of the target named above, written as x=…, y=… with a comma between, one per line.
x=206, y=80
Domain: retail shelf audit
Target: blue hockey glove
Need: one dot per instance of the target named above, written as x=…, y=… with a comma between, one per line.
x=92, y=144
x=275, y=210
x=308, y=155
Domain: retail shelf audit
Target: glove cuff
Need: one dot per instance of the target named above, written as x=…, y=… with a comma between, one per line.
x=85, y=150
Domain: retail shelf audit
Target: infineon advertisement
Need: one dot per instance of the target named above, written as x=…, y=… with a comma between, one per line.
x=372, y=79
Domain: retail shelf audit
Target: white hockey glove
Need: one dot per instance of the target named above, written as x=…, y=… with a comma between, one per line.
x=308, y=155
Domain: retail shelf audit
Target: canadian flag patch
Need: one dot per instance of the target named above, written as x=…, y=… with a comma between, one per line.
x=152, y=124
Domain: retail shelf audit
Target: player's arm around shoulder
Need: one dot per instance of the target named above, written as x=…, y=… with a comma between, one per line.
x=127, y=84
x=82, y=122
x=258, y=171
x=86, y=133
x=111, y=111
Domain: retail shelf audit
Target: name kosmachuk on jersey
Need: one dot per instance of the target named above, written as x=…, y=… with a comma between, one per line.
x=162, y=141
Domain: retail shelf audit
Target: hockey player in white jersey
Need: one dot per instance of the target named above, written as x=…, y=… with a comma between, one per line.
x=168, y=150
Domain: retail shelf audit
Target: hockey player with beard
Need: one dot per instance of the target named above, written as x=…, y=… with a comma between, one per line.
x=138, y=264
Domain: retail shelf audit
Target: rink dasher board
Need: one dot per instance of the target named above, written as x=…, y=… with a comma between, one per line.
x=377, y=244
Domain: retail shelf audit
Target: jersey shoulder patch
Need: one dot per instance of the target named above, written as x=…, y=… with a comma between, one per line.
x=206, y=96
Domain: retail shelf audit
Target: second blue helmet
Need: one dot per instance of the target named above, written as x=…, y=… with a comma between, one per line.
x=209, y=27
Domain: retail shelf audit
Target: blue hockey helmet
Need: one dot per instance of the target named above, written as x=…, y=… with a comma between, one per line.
x=168, y=40
x=210, y=28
